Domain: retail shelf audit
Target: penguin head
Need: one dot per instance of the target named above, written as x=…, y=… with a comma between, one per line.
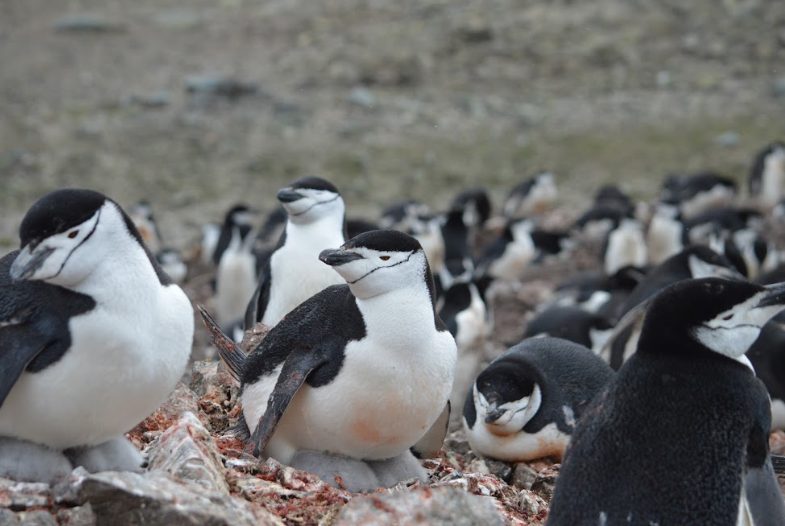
x=504, y=399
x=67, y=233
x=379, y=261
x=721, y=315
x=310, y=199
x=239, y=216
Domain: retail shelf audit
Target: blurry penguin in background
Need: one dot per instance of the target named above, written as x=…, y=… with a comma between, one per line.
x=766, y=181
x=698, y=193
x=141, y=215
x=235, y=278
x=508, y=255
x=531, y=197
x=625, y=246
x=664, y=237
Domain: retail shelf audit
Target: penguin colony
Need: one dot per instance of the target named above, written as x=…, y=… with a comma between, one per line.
x=654, y=372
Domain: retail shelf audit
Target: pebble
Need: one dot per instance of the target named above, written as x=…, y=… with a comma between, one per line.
x=87, y=23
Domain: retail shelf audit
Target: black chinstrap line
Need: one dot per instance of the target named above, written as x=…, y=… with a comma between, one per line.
x=377, y=268
x=82, y=242
x=315, y=205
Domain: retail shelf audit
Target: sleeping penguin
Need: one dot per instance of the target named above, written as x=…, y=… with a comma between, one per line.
x=356, y=375
x=525, y=404
x=680, y=434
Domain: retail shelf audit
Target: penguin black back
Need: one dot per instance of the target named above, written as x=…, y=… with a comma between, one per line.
x=671, y=439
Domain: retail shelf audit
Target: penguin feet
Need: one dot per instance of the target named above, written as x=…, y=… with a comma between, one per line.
x=29, y=462
x=336, y=470
x=397, y=469
x=117, y=454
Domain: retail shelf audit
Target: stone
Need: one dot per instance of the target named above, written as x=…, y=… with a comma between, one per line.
x=23, y=495
x=8, y=517
x=362, y=97
x=158, y=99
x=36, y=518
x=545, y=482
x=500, y=469
x=154, y=499
x=187, y=452
x=422, y=506
x=778, y=87
x=219, y=86
x=727, y=139
x=78, y=516
x=87, y=23
x=523, y=476
x=181, y=400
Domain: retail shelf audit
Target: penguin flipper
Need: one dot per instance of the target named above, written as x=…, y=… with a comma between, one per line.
x=23, y=339
x=16, y=353
x=228, y=350
x=300, y=362
x=431, y=443
x=764, y=498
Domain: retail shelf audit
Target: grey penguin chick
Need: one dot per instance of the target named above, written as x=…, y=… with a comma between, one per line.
x=525, y=404
x=358, y=372
x=316, y=217
x=680, y=435
x=93, y=337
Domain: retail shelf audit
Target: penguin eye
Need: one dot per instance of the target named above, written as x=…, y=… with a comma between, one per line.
x=72, y=234
x=384, y=258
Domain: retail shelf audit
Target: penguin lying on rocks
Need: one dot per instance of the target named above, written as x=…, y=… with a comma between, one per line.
x=93, y=337
x=525, y=404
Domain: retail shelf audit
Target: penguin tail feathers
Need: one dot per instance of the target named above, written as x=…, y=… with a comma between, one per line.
x=230, y=352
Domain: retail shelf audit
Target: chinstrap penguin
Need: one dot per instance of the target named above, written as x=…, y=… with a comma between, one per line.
x=292, y=273
x=766, y=180
x=680, y=435
x=358, y=374
x=93, y=334
x=525, y=404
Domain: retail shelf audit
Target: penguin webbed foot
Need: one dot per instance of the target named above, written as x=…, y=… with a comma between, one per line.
x=25, y=461
x=336, y=470
x=117, y=454
x=398, y=469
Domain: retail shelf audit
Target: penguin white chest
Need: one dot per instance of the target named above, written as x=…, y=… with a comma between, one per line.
x=121, y=365
x=296, y=275
x=383, y=400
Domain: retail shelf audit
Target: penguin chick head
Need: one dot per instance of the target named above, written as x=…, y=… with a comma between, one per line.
x=379, y=261
x=504, y=400
x=723, y=316
x=67, y=233
x=310, y=199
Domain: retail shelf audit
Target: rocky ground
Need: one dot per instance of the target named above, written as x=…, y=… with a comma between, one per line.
x=198, y=471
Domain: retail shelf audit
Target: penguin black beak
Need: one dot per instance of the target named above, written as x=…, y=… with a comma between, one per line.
x=493, y=415
x=287, y=195
x=335, y=257
x=27, y=262
x=775, y=295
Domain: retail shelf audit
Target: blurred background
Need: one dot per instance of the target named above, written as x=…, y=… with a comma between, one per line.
x=196, y=104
